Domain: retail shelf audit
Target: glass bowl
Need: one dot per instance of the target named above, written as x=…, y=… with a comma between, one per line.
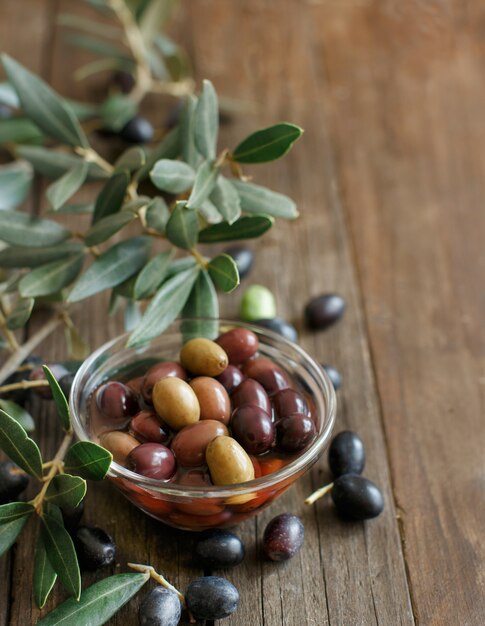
x=202, y=507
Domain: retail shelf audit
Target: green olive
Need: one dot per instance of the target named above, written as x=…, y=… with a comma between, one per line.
x=257, y=303
x=203, y=357
x=228, y=462
x=175, y=402
x=119, y=444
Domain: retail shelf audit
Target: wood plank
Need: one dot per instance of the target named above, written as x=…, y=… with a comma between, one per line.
x=406, y=107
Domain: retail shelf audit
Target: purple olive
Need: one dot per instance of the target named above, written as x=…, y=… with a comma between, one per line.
x=283, y=537
x=323, y=311
x=230, y=378
x=158, y=371
x=252, y=393
x=147, y=428
x=153, y=460
x=253, y=428
x=288, y=401
x=267, y=373
x=116, y=401
x=239, y=344
x=294, y=432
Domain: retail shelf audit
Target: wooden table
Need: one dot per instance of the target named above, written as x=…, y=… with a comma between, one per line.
x=390, y=181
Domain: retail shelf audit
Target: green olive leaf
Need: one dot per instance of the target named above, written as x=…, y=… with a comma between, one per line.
x=226, y=200
x=97, y=46
x=59, y=399
x=244, y=228
x=21, y=229
x=180, y=265
x=257, y=199
x=152, y=276
x=187, y=133
x=15, y=181
x=44, y=575
x=14, y=511
x=112, y=267
x=98, y=603
x=131, y=160
x=59, y=192
x=13, y=517
x=88, y=460
x=16, y=444
x=20, y=313
x=18, y=413
x=117, y=110
x=223, y=271
x=202, y=303
x=66, y=490
x=209, y=212
x=164, y=307
x=43, y=106
x=207, y=121
x=54, y=163
x=157, y=215
x=204, y=183
x=110, y=198
x=20, y=256
x=51, y=277
x=182, y=227
x=8, y=95
x=108, y=226
x=267, y=144
x=76, y=346
x=172, y=176
x=19, y=130
x=168, y=148
x=131, y=315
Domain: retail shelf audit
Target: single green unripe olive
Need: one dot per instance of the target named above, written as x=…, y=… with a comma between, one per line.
x=257, y=303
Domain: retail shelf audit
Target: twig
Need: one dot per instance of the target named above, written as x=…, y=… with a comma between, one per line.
x=158, y=577
x=23, y=384
x=198, y=257
x=319, y=493
x=9, y=336
x=55, y=468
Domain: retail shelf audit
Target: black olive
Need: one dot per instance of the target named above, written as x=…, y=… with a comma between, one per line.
x=218, y=548
x=137, y=130
x=280, y=326
x=94, y=547
x=72, y=516
x=243, y=257
x=323, y=311
x=334, y=375
x=12, y=481
x=346, y=454
x=356, y=497
x=160, y=607
x=211, y=597
x=283, y=537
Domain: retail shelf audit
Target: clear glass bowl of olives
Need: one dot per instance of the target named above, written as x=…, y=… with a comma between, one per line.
x=205, y=433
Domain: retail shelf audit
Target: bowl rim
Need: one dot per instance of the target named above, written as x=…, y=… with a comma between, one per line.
x=161, y=487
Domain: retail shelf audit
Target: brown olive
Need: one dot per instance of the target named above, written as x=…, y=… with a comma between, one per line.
x=119, y=444
x=288, y=401
x=253, y=428
x=203, y=357
x=213, y=399
x=175, y=402
x=160, y=370
x=116, y=401
x=228, y=462
x=153, y=460
x=230, y=378
x=146, y=427
x=191, y=442
x=251, y=393
x=269, y=374
x=239, y=344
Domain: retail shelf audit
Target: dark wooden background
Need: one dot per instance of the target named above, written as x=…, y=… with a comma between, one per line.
x=390, y=180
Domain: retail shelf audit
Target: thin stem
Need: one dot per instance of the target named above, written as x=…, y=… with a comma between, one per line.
x=23, y=384
x=177, y=89
x=93, y=157
x=198, y=257
x=158, y=577
x=319, y=493
x=55, y=468
x=9, y=336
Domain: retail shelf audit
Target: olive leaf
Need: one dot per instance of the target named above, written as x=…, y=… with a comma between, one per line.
x=18, y=413
x=209, y=212
x=20, y=256
x=20, y=313
x=164, y=307
x=207, y=121
x=131, y=315
x=59, y=192
x=172, y=176
x=21, y=229
x=54, y=163
x=98, y=603
x=108, y=226
x=226, y=200
x=267, y=144
x=59, y=399
x=15, y=181
x=168, y=148
x=117, y=110
x=157, y=214
x=77, y=208
x=44, y=575
x=257, y=199
x=243, y=228
x=88, y=460
x=223, y=271
x=66, y=490
x=60, y=550
x=8, y=95
x=153, y=18
x=13, y=517
x=182, y=227
x=180, y=265
x=131, y=160
x=204, y=183
x=152, y=276
x=51, y=277
x=14, y=511
x=112, y=268
x=111, y=197
x=76, y=346
x=187, y=125
x=202, y=303
x=18, y=130
x=97, y=46
x=43, y=106
x=16, y=444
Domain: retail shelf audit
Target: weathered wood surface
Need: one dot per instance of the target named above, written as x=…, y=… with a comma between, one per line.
x=389, y=179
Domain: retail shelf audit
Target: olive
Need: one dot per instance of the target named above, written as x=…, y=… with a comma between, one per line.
x=217, y=548
x=71, y=516
x=65, y=383
x=147, y=428
x=190, y=443
x=253, y=428
x=228, y=462
x=158, y=371
x=175, y=402
x=346, y=454
x=137, y=130
x=94, y=547
x=230, y=378
x=203, y=357
x=116, y=401
x=288, y=401
x=119, y=444
x=294, y=432
x=213, y=399
x=356, y=497
x=211, y=597
x=12, y=481
x=266, y=372
x=250, y=392
x=58, y=370
x=136, y=384
x=239, y=344
x=280, y=326
x=152, y=460
x=194, y=477
x=283, y=537
x=257, y=303
x=244, y=258
x=323, y=311
x=160, y=607
x=334, y=375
